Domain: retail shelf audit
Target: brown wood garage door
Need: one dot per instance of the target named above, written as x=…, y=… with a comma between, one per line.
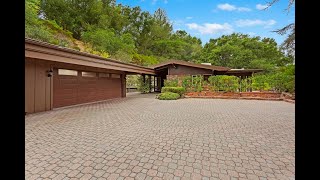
x=75, y=89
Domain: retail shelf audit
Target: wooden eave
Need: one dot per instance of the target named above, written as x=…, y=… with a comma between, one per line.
x=184, y=63
x=45, y=51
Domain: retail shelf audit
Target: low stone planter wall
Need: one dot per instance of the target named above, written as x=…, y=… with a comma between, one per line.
x=288, y=97
x=235, y=95
x=260, y=94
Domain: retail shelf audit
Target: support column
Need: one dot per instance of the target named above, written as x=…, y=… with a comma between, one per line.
x=154, y=83
x=250, y=85
x=144, y=78
x=123, y=85
x=248, y=82
x=149, y=82
x=240, y=80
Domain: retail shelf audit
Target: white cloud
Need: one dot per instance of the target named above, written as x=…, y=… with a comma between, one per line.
x=261, y=6
x=209, y=28
x=155, y=1
x=256, y=22
x=229, y=7
x=244, y=9
x=189, y=17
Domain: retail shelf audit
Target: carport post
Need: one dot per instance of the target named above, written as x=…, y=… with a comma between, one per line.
x=144, y=78
x=124, y=85
x=149, y=82
x=154, y=83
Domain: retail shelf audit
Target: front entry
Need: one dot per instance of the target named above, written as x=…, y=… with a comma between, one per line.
x=157, y=85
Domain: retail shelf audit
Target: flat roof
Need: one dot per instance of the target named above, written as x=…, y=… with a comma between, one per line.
x=190, y=64
x=46, y=51
x=244, y=70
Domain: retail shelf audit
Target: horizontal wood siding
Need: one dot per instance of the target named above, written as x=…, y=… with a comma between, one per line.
x=186, y=70
x=72, y=90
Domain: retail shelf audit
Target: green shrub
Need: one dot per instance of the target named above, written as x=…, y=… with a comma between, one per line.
x=171, y=83
x=261, y=82
x=168, y=96
x=197, y=82
x=245, y=84
x=143, y=87
x=178, y=90
x=224, y=83
x=193, y=83
x=187, y=83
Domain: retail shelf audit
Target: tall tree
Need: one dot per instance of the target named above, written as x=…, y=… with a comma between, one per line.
x=73, y=15
x=180, y=46
x=289, y=43
x=242, y=51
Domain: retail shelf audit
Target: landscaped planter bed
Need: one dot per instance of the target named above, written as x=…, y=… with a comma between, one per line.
x=235, y=95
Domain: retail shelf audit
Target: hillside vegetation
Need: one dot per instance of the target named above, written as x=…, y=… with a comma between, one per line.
x=131, y=35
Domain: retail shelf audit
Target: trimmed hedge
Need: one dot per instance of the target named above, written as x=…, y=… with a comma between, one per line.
x=178, y=90
x=168, y=96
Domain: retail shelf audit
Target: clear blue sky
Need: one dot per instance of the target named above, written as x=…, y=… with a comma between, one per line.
x=207, y=19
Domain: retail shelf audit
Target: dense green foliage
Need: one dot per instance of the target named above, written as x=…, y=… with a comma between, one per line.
x=132, y=81
x=45, y=30
x=242, y=51
x=108, y=41
x=126, y=33
x=143, y=87
x=171, y=83
x=168, y=96
x=178, y=90
x=224, y=83
x=282, y=80
x=132, y=35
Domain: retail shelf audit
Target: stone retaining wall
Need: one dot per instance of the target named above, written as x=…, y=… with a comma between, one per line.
x=235, y=95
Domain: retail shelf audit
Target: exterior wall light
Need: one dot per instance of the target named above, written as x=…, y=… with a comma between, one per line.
x=50, y=73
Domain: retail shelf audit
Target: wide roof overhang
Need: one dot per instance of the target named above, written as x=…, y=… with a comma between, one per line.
x=45, y=51
x=189, y=64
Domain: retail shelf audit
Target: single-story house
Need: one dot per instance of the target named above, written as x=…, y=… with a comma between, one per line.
x=57, y=77
x=172, y=69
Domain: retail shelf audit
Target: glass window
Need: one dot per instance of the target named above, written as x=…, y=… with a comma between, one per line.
x=104, y=75
x=67, y=72
x=115, y=75
x=89, y=74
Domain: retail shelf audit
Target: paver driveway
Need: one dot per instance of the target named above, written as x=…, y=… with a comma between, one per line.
x=140, y=137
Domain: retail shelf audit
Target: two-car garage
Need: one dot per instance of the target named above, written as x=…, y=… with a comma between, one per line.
x=57, y=77
x=72, y=87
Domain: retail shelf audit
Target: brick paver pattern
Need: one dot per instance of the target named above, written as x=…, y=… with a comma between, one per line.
x=140, y=137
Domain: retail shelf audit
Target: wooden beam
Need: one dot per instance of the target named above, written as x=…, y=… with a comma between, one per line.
x=56, y=54
x=149, y=82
